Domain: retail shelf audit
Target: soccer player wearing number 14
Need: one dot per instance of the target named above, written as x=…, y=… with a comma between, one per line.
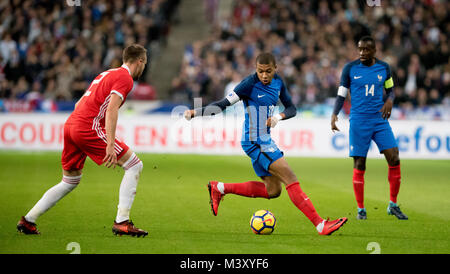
x=365, y=78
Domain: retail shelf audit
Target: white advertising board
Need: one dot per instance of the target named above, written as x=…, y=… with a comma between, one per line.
x=222, y=135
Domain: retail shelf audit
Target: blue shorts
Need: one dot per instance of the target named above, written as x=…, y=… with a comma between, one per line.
x=262, y=155
x=363, y=131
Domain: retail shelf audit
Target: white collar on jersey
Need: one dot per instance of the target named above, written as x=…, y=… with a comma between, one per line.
x=125, y=66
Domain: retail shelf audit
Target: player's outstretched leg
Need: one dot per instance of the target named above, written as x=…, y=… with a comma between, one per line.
x=302, y=202
x=281, y=169
x=27, y=223
x=270, y=188
x=122, y=224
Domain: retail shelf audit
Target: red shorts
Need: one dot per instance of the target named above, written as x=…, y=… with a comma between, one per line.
x=80, y=142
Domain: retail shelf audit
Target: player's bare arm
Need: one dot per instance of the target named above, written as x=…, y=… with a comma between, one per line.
x=388, y=99
x=386, y=109
x=112, y=114
x=339, y=103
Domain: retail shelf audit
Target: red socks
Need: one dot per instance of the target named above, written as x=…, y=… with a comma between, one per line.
x=302, y=202
x=252, y=189
x=358, y=186
x=394, y=182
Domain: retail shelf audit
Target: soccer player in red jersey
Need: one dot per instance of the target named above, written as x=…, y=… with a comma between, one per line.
x=90, y=131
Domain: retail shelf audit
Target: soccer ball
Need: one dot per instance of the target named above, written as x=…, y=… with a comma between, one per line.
x=263, y=222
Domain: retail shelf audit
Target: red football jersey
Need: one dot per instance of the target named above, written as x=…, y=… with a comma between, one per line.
x=91, y=109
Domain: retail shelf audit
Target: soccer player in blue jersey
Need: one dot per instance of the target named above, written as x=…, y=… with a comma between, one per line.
x=366, y=78
x=260, y=93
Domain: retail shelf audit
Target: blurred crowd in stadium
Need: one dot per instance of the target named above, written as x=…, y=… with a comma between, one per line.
x=312, y=41
x=49, y=51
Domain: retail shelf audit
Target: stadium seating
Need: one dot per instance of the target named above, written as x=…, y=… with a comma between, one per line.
x=313, y=40
x=50, y=51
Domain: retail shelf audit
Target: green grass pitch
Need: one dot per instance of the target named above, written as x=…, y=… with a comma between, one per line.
x=172, y=204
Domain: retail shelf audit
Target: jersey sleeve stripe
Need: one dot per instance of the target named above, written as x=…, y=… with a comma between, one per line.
x=97, y=128
x=118, y=93
x=342, y=91
x=233, y=98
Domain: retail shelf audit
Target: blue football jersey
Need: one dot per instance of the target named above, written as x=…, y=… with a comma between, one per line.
x=366, y=86
x=259, y=102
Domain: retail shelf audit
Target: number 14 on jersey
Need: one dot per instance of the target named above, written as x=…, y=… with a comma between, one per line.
x=370, y=90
